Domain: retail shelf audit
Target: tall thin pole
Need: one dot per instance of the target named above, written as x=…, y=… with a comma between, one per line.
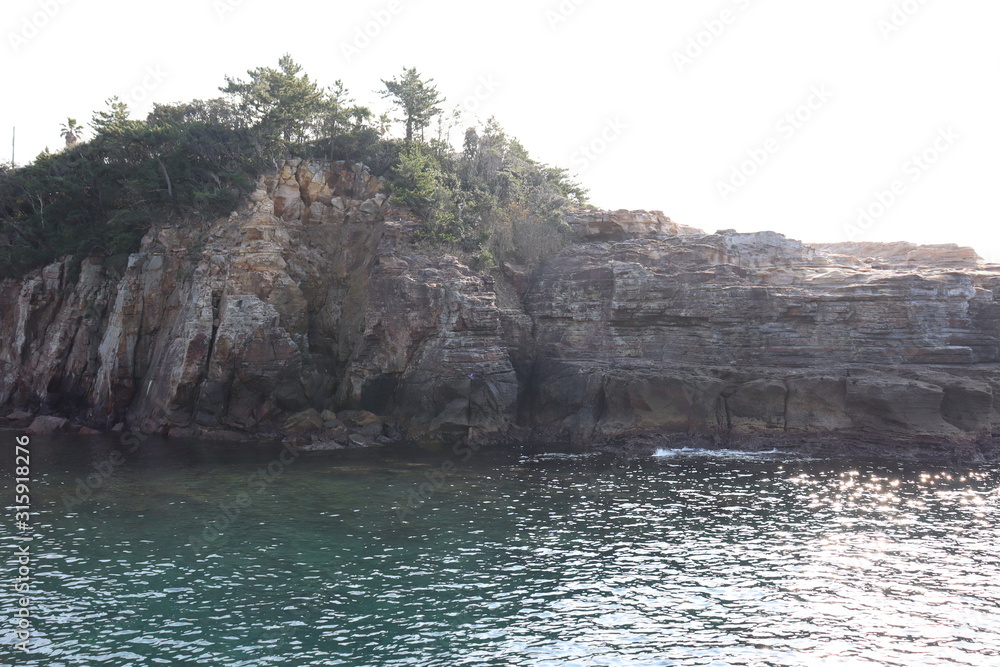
x=13, y=142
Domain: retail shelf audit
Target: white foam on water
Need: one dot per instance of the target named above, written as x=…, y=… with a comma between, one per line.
x=731, y=454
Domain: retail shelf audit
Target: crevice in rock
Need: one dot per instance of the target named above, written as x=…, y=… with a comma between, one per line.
x=788, y=398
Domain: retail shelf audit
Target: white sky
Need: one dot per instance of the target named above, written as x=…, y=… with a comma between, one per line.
x=677, y=130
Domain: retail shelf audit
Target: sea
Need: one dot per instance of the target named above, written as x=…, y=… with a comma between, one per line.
x=192, y=553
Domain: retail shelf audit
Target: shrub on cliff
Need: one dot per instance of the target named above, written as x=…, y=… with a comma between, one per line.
x=99, y=197
x=489, y=200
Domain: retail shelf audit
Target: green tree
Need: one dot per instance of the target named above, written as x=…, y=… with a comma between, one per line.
x=336, y=109
x=418, y=181
x=417, y=99
x=112, y=119
x=184, y=162
x=216, y=111
x=341, y=116
x=382, y=124
x=71, y=131
x=281, y=104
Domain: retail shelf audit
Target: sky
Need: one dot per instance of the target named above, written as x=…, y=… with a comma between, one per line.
x=857, y=120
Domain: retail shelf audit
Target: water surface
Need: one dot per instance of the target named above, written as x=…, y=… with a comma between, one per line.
x=188, y=553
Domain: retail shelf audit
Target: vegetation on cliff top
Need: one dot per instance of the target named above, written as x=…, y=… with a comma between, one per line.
x=487, y=199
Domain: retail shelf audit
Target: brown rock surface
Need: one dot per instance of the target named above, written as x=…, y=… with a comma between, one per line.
x=731, y=335
x=311, y=299
x=306, y=421
x=617, y=225
x=47, y=425
x=303, y=299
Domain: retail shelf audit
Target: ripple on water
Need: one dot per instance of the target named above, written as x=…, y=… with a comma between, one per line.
x=688, y=558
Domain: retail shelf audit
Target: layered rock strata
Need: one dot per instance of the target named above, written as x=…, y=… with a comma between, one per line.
x=307, y=298
x=312, y=301
x=753, y=339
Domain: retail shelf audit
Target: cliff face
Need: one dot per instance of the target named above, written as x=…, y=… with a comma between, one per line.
x=305, y=299
x=759, y=339
x=643, y=331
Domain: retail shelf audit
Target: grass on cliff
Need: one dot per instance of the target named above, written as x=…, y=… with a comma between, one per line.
x=486, y=200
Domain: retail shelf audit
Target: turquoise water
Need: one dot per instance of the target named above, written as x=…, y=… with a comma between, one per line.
x=198, y=554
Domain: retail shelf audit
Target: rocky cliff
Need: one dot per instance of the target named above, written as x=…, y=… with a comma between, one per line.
x=311, y=314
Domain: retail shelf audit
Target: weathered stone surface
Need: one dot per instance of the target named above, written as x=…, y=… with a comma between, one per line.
x=47, y=425
x=359, y=418
x=887, y=403
x=361, y=440
x=300, y=300
x=303, y=422
x=320, y=446
x=757, y=405
x=817, y=404
x=733, y=335
x=902, y=255
x=432, y=351
x=617, y=225
x=310, y=300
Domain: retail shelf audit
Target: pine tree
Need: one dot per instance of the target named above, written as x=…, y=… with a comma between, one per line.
x=416, y=98
x=113, y=119
x=281, y=104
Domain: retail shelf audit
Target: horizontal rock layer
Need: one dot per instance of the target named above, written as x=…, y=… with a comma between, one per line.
x=753, y=338
x=312, y=298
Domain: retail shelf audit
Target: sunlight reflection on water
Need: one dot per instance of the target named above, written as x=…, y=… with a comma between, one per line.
x=689, y=558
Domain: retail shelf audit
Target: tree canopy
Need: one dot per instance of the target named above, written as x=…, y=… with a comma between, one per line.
x=194, y=160
x=282, y=103
x=416, y=98
x=71, y=131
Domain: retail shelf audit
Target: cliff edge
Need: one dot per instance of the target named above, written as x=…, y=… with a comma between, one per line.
x=309, y=314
